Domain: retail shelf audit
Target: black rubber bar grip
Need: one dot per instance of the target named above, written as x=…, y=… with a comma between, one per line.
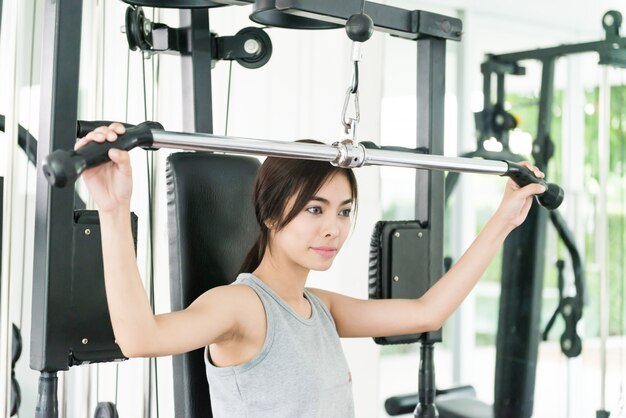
x=63, y=167
x=83, y=127
x=550, y=199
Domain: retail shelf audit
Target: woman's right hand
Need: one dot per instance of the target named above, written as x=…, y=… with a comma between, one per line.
x=110, y=184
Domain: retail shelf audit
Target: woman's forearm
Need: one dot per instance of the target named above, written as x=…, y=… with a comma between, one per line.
x=131, y=314
x=445, y=296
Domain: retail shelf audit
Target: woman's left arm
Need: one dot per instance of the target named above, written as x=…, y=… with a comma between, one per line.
x=376, y=318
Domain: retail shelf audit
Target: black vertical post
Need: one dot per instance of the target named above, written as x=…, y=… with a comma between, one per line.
x=52, y=269
x=487, y=111
x=543, y=147
x=47, y=403
x=197, y=117
x=52, y=272
x=504, y=133
x=429, y=192
x=500, y=89
x=523, y=264
x=196, y=72
x=429, y=202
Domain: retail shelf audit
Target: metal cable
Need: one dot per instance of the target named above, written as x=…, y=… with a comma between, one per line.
x=151, y=184
x=155, y=84
x=100, y=80
x=230, y=73
x=117, y=366
x=149, y=243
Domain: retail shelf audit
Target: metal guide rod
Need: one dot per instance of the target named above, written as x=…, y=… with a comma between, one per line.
x=10, y=98
x=339, y=153
x=602, y=223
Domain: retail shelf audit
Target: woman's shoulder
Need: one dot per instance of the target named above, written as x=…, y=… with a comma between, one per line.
x=238, y=296
x=234, y=291
x=325, y=296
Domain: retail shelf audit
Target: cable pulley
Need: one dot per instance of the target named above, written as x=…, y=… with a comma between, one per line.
x=137, y=29
x=251, y=47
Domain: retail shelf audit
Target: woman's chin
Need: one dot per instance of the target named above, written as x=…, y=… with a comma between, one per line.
x=322, y=267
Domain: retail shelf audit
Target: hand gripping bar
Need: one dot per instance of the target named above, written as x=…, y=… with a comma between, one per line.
x=550, y=199
x=63, y=168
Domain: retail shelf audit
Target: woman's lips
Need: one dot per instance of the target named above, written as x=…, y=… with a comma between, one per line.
x=326, y=252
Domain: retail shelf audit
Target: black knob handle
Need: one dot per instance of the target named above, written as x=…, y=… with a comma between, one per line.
x=360, y=27
x=63, y=167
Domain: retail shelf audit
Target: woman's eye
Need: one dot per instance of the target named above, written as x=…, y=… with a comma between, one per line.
x=345, y=212
x=315, y=210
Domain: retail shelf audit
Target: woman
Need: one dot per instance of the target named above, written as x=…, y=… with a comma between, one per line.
x=273, y=346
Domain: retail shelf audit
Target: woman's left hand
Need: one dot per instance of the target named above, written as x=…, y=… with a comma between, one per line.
x=516, y=201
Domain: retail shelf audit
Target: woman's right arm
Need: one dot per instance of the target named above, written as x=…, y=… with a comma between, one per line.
x=211, y=318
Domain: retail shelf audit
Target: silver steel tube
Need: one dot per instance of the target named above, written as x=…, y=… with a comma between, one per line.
x=338, y=154
x=208, y=142
x=434, y=162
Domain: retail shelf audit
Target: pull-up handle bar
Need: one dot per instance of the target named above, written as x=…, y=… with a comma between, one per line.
x=63, y=167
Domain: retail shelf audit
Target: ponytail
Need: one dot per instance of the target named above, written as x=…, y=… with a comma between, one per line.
x=255, y=255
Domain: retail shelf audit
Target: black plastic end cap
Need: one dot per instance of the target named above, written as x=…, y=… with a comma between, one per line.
x=552, y=198
x=360, y=27
x=59, y=169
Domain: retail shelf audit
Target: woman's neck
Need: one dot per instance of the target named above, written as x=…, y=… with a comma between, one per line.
x=286, y=279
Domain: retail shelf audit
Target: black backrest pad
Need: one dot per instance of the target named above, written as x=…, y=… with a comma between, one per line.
x=212, y=226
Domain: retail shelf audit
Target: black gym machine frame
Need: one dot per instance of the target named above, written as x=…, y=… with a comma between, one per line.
x=53, y=264
x=518, y=340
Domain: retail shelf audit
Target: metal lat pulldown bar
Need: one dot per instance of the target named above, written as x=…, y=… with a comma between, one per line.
x=62, y=167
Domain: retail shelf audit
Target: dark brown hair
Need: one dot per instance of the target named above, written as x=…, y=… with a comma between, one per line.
x=277, y=181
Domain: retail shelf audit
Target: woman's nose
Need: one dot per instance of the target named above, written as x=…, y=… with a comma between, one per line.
x=331, y=227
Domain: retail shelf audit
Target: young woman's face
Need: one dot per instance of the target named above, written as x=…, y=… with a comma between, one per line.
x=313, y=238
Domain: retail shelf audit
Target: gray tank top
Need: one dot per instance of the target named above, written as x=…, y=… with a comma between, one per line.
x=301, y=370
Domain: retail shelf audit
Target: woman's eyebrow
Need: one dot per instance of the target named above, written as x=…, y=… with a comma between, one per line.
x=327, y=202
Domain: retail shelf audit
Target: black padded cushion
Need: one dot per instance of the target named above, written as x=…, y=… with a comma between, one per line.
x=212, y=226
x=396, y=256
